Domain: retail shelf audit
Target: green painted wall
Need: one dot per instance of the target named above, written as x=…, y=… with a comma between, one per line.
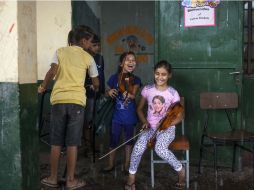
x=29, y=136
x=18, y=137
x=10, y=142
x=202, y=58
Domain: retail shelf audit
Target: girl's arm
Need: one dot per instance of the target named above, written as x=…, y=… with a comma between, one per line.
x=140, y=112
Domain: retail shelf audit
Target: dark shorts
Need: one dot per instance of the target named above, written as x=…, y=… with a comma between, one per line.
x=115, y=134
x=66, y=123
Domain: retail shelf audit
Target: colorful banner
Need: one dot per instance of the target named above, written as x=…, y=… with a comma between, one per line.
x=200, y=3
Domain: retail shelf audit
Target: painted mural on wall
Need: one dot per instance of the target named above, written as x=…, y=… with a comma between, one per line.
x=132, y=38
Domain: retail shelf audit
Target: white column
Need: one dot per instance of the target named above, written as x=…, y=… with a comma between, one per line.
x=8, y=41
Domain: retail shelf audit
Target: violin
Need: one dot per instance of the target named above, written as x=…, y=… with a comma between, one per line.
x=126, y=83
x=173, y=114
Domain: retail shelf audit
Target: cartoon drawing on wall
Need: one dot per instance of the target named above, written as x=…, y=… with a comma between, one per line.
x=132, y=44
x=132, y=38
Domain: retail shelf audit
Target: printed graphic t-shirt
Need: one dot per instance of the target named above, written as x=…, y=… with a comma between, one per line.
x=158, y=102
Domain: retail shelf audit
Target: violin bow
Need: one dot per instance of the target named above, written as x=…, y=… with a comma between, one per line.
x=121, y=144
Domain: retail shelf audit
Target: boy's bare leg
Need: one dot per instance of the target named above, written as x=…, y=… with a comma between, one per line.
x=71, y=165
x=54, y=162
x=71, y=182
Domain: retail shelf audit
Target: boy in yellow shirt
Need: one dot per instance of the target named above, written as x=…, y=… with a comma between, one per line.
x=68, y=67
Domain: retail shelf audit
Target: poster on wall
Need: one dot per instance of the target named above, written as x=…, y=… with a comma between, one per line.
x=201, y=16
x=199, y=12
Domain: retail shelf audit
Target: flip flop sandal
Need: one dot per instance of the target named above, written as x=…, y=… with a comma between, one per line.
x=46, y=182
x=179, y=186
x=79, y=184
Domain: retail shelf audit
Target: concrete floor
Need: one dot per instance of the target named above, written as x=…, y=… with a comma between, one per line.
x=164, y=176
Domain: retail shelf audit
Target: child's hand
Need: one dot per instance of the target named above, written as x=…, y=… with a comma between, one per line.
x=112, y=93
x=145, y=125
x=128, y=96
x=125, y=94
x=92, y=88
x=41, y=89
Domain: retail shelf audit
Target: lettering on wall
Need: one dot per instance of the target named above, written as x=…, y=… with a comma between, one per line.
x=132, y=38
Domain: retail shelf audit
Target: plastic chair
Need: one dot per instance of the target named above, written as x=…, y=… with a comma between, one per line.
x=214, y=102
x=181, y=144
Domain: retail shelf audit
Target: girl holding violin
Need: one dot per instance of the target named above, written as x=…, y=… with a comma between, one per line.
x=123, y=87
x=160, y=97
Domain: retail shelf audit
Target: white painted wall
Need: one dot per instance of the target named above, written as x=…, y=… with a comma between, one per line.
x=53, y=25
x=27, y=42
x=8, y=42
x=30, y=33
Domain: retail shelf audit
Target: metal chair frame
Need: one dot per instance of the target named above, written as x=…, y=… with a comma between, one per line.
x=235, y=137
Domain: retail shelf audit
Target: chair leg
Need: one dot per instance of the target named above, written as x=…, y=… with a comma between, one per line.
x=200, y=154
x=215, y=158
x=187, y=169
x=233, y=162
x=253, y=157
x=152, y=169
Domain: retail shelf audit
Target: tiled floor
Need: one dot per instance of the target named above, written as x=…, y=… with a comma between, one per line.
x=164, y=176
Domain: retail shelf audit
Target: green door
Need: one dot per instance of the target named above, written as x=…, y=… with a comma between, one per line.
x=203, y=58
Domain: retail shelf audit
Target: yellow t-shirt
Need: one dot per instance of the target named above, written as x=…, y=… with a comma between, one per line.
x=73, y=63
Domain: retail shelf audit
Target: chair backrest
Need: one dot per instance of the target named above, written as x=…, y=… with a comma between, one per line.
x=218, y=100
x=227, y=101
